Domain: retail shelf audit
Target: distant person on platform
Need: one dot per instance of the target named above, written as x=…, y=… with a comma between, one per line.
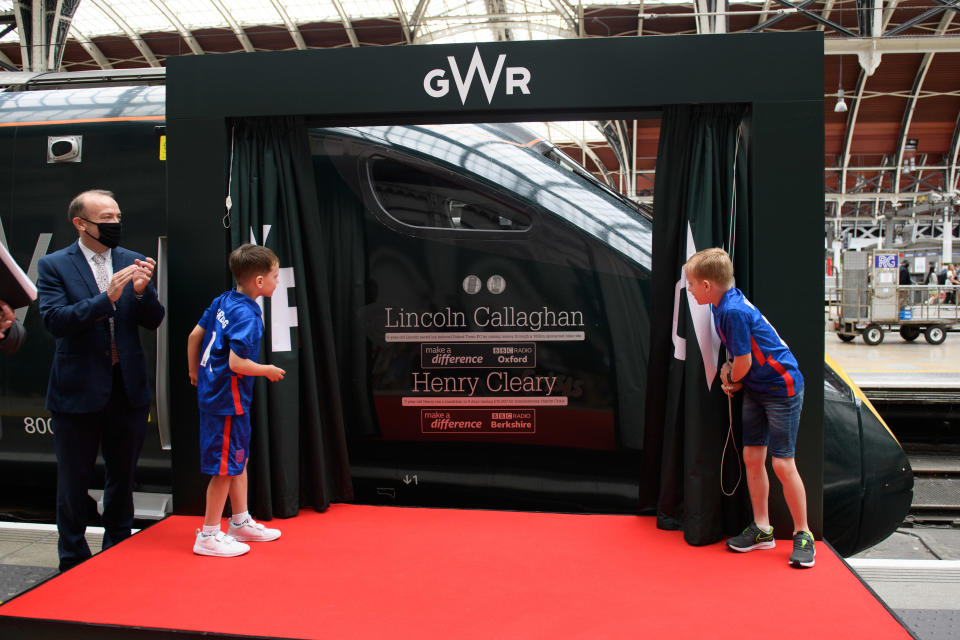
x=12, y=333
x=932, y=281
x=952, y=283
x=904, y=279
x=222, y=353
x=772, y=400
x=94, y=297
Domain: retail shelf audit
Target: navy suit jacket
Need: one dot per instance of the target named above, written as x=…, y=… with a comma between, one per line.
x=76, y=313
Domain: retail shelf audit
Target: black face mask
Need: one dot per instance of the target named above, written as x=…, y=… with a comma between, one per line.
x=110, y=233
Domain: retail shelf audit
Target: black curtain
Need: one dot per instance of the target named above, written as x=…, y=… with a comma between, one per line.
x=700, y=201
x=298, y=450
x=342, y=215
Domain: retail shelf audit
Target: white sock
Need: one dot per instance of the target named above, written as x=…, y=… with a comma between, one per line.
x=210, y=529
x=239, y=518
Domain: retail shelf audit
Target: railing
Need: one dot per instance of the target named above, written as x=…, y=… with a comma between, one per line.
x=915, y=304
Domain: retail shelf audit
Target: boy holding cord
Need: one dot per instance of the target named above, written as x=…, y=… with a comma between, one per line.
x=767, y=371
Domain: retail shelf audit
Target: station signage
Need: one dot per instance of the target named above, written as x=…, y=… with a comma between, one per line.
x=886, y=261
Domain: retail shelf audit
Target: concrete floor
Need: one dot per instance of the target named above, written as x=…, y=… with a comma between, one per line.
x=898, y=363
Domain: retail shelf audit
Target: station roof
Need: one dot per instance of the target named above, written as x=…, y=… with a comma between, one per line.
x=897, y=63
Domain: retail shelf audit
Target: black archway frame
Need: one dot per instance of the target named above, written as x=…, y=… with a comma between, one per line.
x=779, y=75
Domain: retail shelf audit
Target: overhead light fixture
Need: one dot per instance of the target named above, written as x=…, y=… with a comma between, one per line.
x=841, y=106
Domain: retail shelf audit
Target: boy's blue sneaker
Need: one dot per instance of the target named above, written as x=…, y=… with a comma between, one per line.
x=753, y=537
x=804, y=550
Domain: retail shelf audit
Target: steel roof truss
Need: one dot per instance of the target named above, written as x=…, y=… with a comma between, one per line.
x=816, y=18
x=416, y=19
x=234, y=25
x=185, y=33
x=135, y=37
x=888, y=14
x=92, y=49
x=568, y=15
x=766, y=11
x=404, y=25
x=291, y=26
x=780, y=16
x=954, y=4
x=952, y=173
x=7, y=63
x=495, y=10
x=912, y=101
x=827, y=10
x=851, y=125
x=347, y=24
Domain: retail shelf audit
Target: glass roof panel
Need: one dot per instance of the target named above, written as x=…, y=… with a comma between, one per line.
x=251, y=12
x=357, y=9
x=194, y=14
x=560, y=132
x=91, y=21
x=141, y=15
x=301, y=11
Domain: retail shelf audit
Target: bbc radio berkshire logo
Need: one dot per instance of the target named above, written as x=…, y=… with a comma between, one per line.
x=437, y=84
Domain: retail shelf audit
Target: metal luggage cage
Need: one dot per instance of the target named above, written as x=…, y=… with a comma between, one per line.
x=922, y=308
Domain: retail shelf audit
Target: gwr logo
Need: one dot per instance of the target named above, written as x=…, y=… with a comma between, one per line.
x=437, y=85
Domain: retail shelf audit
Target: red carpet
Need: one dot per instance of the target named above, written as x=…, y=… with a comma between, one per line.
x=376, y=572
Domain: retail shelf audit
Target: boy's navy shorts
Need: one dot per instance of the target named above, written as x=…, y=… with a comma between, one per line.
x=224, y=444
x=772, y=421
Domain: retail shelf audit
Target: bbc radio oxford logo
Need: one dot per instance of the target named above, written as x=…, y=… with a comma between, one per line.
x=437, y=84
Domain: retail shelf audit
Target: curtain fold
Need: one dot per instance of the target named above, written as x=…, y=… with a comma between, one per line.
x=298, y=449
x=342, y=215
x=701, y=201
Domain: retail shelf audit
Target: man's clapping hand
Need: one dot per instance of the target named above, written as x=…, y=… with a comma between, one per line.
x=6, y=318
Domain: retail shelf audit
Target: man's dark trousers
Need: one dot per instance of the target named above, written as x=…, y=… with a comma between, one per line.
x=119, y=429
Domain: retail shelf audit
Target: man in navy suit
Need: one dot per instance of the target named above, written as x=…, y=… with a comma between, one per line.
x=94, y=296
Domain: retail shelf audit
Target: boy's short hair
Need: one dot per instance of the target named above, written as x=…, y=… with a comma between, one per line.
x=711, y=264
x=251, y=260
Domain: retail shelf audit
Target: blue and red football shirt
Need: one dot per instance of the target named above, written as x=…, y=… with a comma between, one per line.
x=743, y=330
x=231, y=322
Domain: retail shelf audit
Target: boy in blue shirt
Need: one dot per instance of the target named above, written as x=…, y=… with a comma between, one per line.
x=229, y=336
x=773, y=397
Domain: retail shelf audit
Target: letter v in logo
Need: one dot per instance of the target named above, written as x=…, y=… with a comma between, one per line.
x=489, y=84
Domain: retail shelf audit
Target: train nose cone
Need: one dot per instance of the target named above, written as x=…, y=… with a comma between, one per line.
x=867, y=479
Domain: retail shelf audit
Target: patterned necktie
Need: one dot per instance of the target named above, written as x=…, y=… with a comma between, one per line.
x=103, y=282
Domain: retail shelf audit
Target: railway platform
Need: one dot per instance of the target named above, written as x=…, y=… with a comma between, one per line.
x=897, y=370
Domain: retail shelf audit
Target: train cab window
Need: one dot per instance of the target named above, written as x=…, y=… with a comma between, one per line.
x=834, y=385
x=423, y=199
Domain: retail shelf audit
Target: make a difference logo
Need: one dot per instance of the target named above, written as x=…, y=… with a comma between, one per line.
x=437, y=84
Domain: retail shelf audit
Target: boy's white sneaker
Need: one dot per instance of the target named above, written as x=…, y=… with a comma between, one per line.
x=252, y=531
x=220, y=545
